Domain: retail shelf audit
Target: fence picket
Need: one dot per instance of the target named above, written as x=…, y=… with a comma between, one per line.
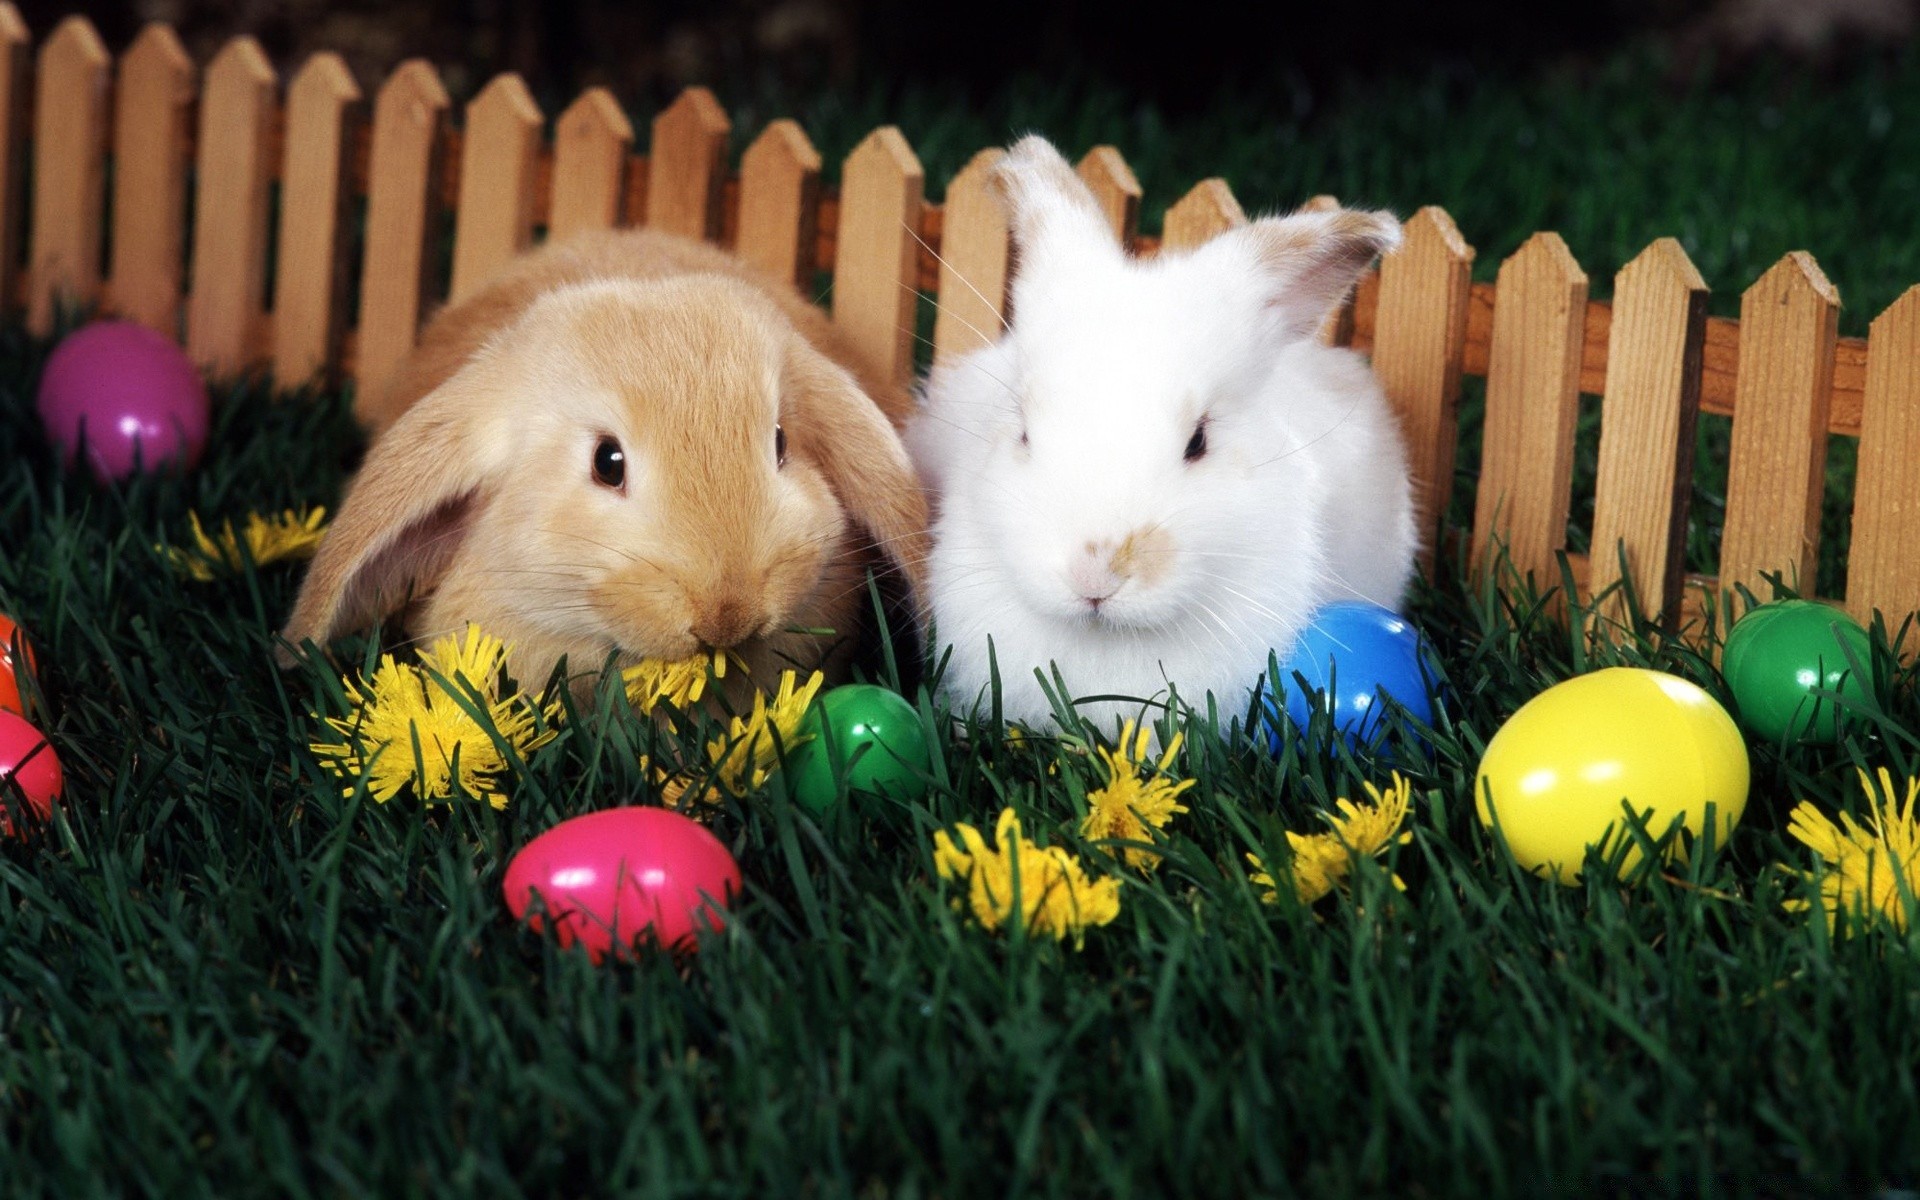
x=1646, y=430
x=591, y=143
x=235, y=174
x=16, y=77
x=687, y=166
x=1420, y=325
x=1206, y=211
x=500, y=151
x=69, y=171
x=309, y=294
x=780, y=203
x=973, y=268
x=1778, y=462
x=875, y=272
x=1533, y=393
x=1883, y=570
x=151, y=110
x=1116, y=189
x=409, y=113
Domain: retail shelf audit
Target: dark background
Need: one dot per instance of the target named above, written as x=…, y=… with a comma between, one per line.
x=1174, y=56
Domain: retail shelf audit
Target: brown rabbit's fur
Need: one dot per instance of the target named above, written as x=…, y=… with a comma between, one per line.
x=478, y=500
x=457, y=331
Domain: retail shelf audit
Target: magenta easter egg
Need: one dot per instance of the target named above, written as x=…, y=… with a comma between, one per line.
x=610, y=879
x=130, y=394
x=27, y=760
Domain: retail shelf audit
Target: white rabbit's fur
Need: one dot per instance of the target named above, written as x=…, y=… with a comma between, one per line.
x=1301, y=495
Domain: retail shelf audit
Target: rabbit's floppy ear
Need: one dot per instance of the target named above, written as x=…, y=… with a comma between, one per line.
x=1051, y=210
x=423, y=484
x=843, y=432
x=1309, y=262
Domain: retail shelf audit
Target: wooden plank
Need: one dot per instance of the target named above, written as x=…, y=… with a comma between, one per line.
x=1646, y=431
x=591, y=142
x=873, y=279
x=151, y=132
x=1778, y=461
x=1207, y=210
x=1533, y=377
x=688, y=166
x=309, y=295
x=1883, y=570
x=1421, y=315
x=974, y=249
x=231, y=208
x=1719, y=360
x=780, y=204
x=499, y=148
x=1115, y=189
x=16, y=80
x=409, y=113
x=69, y=171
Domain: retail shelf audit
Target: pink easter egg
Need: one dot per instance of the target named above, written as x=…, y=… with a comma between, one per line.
x=27, y=759
x=135, y=395
x=609, y=879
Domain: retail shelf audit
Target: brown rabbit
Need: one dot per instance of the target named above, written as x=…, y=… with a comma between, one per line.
x=629, y=443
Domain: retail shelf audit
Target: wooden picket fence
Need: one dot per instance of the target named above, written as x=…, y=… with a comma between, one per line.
x=1652, y=354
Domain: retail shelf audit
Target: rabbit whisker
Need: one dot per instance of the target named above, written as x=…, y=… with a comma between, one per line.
x=968, y=283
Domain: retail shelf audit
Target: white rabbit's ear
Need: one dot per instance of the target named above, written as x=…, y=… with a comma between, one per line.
x=1051, y=210
x=423, y=484
x=1310, y=261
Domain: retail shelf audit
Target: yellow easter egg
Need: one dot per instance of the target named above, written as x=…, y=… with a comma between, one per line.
x=1556, y=774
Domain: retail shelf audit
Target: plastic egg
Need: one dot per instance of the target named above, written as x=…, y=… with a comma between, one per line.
x=130, y=394
x=1780, y=654
x=16, y=659
x=609, y=879
x=1558, y=772
x=28, y=761
x=1354, y=656
x=863, y=736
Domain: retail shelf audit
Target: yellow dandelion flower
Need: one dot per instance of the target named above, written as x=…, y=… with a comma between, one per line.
x=680, y=683
x=1867, y=868
x=1052, y=894
x=1125, y=808
x=406, y=728
x=267, y=540
x=1322, y=862
x=748, y=753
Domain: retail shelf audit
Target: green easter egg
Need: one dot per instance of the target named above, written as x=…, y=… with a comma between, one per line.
x=1779, y=654
x=864, y=735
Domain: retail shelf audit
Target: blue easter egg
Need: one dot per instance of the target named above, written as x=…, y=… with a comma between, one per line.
x=1353, y=656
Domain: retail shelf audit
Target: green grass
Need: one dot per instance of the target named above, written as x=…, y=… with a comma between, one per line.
x=219, y=976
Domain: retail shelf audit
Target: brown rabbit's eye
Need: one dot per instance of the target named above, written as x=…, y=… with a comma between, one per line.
x=1197, y=444
x=609, y=464
x=779, y=446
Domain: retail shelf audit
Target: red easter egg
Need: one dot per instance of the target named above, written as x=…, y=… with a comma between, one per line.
x=608, y=878
x=12, y=664
x=27, y=759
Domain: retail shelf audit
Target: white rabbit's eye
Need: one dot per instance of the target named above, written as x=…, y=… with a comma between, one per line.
x=779, y=446
x=1197, y=444
x=610, y=464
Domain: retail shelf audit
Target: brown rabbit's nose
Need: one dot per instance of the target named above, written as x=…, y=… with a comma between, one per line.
x=726, y=622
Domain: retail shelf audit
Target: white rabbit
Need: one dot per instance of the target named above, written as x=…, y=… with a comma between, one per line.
x=1158, y=473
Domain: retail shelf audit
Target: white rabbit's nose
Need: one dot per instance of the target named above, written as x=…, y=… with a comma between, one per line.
x=1091, y=576
x=1105, y=565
